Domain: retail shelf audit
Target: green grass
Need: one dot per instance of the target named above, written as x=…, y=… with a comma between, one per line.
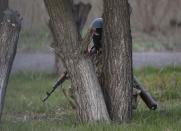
x=24, y=110
x=163, y=83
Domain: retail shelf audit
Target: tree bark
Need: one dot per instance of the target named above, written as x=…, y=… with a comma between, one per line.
x=117, y=47
x=90, y=102
x=9, y=34
x=3, y=7
x=81, y=12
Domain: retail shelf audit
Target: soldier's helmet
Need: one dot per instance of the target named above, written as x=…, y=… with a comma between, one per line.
x=97, y=23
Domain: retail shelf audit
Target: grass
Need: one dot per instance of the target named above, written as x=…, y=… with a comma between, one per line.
x=163, y=83
x=25, y=111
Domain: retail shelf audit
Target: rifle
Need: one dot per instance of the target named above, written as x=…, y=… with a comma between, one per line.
x=59, y=82
x=146, y=97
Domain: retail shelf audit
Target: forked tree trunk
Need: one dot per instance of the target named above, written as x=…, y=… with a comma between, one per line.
x=81, y=12
x=90, y=102
x=9, y=34
x=118, y=59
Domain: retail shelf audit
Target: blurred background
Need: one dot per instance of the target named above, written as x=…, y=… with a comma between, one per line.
x=156, y=24
x=156, y=29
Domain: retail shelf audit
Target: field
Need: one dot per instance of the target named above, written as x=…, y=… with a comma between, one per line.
x=24, y=110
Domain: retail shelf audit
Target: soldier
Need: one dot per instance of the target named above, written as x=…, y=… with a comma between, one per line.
x=96, y=54
x=96, y=27
x=95, y=34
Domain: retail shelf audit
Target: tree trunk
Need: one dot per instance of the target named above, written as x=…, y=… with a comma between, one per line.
x=118, y=59
x=9, y=34
x=3, y=7
x=81, y=12
x=90, y=102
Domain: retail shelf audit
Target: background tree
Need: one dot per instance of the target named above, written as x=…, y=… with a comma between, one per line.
x=9, y=34
x=3, y=7
x=154, y=15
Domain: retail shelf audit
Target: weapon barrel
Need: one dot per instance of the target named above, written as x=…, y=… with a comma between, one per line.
x=59, y=82
x=146, y=97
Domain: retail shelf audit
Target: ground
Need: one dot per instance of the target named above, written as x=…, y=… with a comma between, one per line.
x=45, y=61
x=25, y=111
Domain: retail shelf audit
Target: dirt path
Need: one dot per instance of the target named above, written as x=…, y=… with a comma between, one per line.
x=45, y=61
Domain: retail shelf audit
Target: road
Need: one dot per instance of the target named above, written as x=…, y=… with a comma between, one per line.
x=45, y=61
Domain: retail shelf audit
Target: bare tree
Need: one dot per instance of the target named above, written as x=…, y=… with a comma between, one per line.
x=90, y=102
x=151, y=14
x=9, y=34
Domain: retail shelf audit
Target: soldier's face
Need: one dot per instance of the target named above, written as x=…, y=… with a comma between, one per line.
x=96, y=32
